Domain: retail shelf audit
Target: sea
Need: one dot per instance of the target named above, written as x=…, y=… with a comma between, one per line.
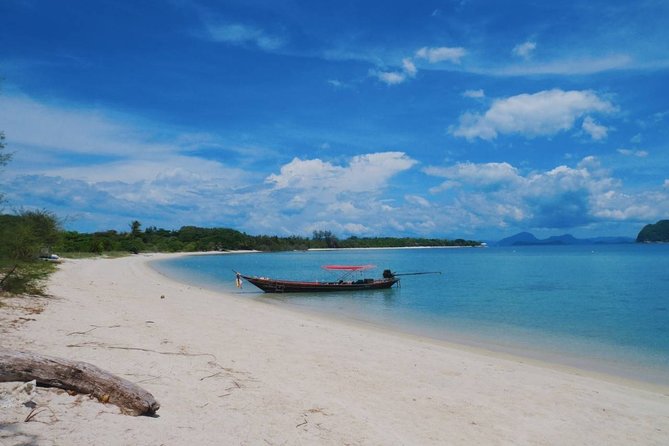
x=600, y=308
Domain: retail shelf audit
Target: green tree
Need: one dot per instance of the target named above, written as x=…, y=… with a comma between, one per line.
x=326, y=237
x=23, y=237
x=135, y=228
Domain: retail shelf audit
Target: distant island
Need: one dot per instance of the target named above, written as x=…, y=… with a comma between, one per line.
x=654, y=233
x=527, y=239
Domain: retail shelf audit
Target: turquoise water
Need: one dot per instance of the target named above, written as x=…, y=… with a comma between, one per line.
x=603, y=308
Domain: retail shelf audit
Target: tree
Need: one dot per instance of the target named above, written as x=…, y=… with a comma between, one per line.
x=326, y=237
x=4, y=157
x=25, y=236
x=135, y=228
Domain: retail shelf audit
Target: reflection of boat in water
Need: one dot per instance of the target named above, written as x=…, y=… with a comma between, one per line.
x=344, y=283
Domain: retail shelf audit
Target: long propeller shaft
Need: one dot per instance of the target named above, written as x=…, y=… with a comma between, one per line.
x=417, y=274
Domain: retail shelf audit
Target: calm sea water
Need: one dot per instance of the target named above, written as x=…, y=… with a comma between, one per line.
x=602, y=308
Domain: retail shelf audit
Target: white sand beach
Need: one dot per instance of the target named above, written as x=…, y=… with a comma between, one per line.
x=228, y=370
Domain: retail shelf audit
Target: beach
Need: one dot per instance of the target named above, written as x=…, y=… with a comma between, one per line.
x=230, y=370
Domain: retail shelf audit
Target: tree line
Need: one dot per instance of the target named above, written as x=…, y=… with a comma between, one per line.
x=193, y=239
x=29, y=237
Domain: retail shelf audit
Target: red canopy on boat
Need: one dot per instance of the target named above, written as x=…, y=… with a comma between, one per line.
x=348, y=267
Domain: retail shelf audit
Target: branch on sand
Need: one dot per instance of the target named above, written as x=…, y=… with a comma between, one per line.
x=80, y=377
x=117, y=347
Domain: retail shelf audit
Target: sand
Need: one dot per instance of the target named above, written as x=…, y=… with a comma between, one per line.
x=228, y=370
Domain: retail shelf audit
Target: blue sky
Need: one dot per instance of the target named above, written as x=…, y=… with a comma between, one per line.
x=468, y=118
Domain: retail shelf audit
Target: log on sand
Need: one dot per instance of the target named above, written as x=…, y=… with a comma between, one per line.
x=80, y=377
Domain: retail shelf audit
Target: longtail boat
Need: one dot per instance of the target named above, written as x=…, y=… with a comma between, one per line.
x=344, y=283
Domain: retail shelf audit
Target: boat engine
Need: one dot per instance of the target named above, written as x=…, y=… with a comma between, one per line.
x=387, y=274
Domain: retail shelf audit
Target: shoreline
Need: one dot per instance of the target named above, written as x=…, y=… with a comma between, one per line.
x=600, y=369
x=237, y=371
x=611, y=368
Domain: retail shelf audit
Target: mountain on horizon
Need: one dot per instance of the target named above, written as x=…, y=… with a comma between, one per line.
x=527, y=239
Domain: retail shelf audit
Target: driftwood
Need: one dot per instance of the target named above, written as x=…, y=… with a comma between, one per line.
x=80, y=377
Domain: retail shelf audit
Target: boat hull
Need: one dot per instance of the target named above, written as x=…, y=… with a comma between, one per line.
x=289, y=286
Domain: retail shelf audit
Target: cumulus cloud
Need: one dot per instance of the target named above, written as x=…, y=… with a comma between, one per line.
x=596, y=131
x=242, y=34
x=524, y=49
x=486, y=174
x=559, y=198
x=540, y=114
x=349, y=196
x=441, y=54
x=364, y=173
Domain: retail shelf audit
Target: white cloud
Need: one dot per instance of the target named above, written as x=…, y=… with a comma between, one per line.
x=482, y=175
x=630, y=152
x=134, y=170
x=666, y=184
x=391, y=77
x=565, y=66
x=562, y=197
x=106, y=166
x=524, y=49
x=434, y=55
x=107, y=169
x=545, y=113
x=241, y=34
x=69, y=129
x=345, y=197
x=475, y=94
x=337, y=227
x=346, y=208
x=417, y=200
x=659, y=116
x=365, y=173
x=596, y=131
x=397, y=77
x=409, y=67
x=100, y=146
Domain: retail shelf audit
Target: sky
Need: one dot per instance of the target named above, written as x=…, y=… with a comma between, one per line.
x=455, y=118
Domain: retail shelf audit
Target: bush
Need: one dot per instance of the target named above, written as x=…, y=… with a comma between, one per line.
x=25, y=278
x=23, y=237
